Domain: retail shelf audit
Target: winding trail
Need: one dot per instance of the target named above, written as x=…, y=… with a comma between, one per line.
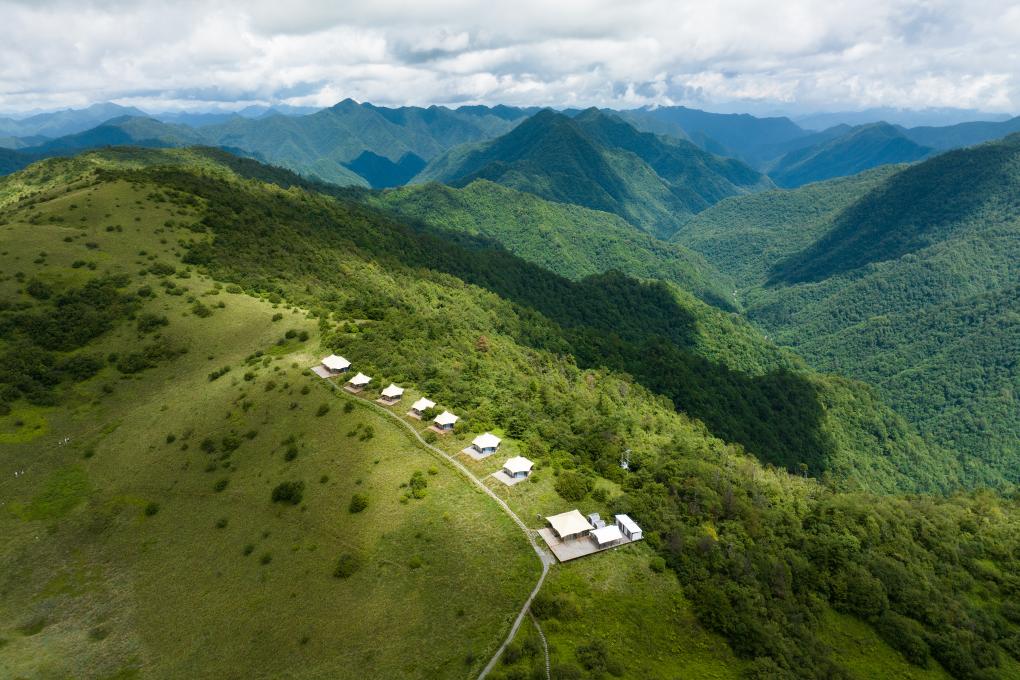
x=546, y=559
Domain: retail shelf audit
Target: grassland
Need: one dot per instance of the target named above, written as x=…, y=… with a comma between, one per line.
x=140, y=539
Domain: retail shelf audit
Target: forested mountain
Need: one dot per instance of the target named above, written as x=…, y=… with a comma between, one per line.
x=198, y=250
x=905, y=280
x=962, y=134
x=854, y=151
x=600, y=162
x=567, y=239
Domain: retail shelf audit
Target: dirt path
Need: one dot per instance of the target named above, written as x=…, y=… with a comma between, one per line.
x=546, y=559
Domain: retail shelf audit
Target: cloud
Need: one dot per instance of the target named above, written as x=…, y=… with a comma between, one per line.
x=798, y=54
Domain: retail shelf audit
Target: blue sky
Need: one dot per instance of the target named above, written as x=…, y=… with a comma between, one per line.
x=795, y=56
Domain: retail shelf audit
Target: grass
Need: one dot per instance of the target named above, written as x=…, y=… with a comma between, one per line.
x=187, y=591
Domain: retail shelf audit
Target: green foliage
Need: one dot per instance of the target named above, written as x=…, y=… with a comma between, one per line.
x=347, y=565
x=358, y=503
x=288, y=492
x=573, y=486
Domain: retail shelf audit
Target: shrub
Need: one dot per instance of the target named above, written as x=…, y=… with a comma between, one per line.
x=291, y=453
x=277, y=316
x=171, y=438
x=418, y=484
x=358, y=503
x=288, y=492
x=248, y=549
x=657, y=564
x=322, y=410
x=200, y=310
x=573, y=486
x=346, y=565
x=415, y=562
x=151, y=509
x=148, y=322
x=221, y=484
x=221, y=523
x=218, y=373
x=266, y=558
x=348, y=407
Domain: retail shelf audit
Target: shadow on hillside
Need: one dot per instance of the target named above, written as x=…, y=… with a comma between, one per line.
x=608, y=320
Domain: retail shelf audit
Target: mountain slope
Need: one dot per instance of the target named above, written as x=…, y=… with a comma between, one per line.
x=962, y=134
x=601, y=163
x=907, y=282
x=780, y=566
x=567, y=239
x=859, y=149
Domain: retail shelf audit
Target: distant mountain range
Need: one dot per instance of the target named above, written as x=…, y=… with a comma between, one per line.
x=694, y=153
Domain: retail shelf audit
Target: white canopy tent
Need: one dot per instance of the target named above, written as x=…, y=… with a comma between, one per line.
x=336, y=363
x=607, y=535
x=569, y=524
x=393, y=392
x=486, y=443
x=360, y=380
x=422, y=404
x=445, y=420
x=518, y=465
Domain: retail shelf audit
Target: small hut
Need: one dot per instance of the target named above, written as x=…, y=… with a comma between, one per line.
x=357, y=383
x=336, y=364
x=517, y=467
x=392, y=394
x=444, y=422
x=607, y=536
x=486, y=444
x=629, y=527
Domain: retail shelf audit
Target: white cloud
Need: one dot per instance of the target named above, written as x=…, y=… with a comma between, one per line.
x=799, y=53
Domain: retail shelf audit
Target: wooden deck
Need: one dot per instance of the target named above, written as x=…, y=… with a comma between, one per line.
x=579, y=547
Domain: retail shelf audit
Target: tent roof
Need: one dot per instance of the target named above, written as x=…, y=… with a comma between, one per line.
x=446, y=418
x=569, y=523
x=629, y=524
x=336, y=363
x=393, y=391
x=518, y=464
x=360, y=379
x=486, y=441
x=607, y=534
x=423, y=404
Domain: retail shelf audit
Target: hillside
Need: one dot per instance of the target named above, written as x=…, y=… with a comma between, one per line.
x=567, y=239
x=66, y=122
x=801, y=579
x=600, y=162
x=962, y=134
x=857, y=150
x=905, y=279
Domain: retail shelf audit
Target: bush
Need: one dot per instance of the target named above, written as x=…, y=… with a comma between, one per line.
x=322, y=410
x=200, y=310
x=218, y=373
x=151, y=509
x=573, y=486
x=346, y=565
x=291, y=453
x=657, y=564
x=148, y=322
x=289, y=492
x=221, y=484
x=906, y=636
x=358, y=503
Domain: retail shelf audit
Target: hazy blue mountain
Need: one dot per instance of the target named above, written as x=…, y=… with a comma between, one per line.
x=742, y=136
x=66, y=122
x=935, y=117
x=124, y=130
x=856, y=150
x=963, y=134
x=21, y=142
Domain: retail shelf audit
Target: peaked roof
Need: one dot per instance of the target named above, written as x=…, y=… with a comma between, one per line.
x=336, y=363
x=423, y=404
x=518, y=464
x=360, y=379
x=393, y=391
x=446, y=418
x=569, y=523
x=486, y=441
x=607, y=534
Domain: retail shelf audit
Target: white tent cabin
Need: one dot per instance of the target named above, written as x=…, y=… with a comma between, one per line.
x=358, y=382
x=569, y=525
x=629, y=527
x=336, y=364
x=419, y=407
x=392, y=394
x=444, y=421
x=607, y=536
x=486, y=444
x=517, y=467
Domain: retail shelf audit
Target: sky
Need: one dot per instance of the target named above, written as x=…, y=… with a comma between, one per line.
x=790, y=55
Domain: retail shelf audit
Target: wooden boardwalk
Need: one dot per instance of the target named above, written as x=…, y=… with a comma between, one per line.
x=578, y=547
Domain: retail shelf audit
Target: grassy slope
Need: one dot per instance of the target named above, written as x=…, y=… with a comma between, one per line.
x=567, y=239
x=112, y=590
